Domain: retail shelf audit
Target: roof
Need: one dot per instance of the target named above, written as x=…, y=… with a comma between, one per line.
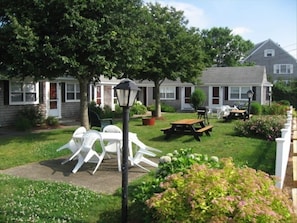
x=240, y=76
x=260, y=45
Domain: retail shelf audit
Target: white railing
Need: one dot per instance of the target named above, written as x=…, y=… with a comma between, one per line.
x=283, y=145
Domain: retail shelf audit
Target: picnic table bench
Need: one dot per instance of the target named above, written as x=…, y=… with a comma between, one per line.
x=188, y=127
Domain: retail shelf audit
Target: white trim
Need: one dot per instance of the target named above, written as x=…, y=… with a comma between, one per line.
x=23, y=102
x=47, y=99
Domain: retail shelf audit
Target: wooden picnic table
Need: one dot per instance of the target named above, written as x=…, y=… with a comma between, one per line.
x=194, y=127
x=237, y=114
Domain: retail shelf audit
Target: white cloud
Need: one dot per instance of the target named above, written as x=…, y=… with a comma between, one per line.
x=192, y=13
x=241, y=31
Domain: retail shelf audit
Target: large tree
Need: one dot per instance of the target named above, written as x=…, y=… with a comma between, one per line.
x=82, y=39
x=223, y=48
x=169, y=50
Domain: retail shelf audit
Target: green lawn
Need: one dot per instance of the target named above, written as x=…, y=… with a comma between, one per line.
x=39, y=201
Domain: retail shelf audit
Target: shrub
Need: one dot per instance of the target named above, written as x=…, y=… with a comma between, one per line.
x=29, y=117
x=138, y=109
x=164, y=108
x=52, y=121
x=23, y=124
x=105, y=112
x=284, y=102
x=228, y=194
x=197, y=98
x=274, y=109
x=177, y=162
x=180, y=161
x=264, y=127
x=256, y=108
x=167, y=108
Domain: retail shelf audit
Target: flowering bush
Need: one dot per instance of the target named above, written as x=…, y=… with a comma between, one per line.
x=228, y=194
x=177, y=162
x=265, y=127
x=181, y=160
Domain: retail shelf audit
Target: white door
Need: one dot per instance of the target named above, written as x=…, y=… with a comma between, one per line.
x=215, y=99
x=186, y=98
x=53, y=99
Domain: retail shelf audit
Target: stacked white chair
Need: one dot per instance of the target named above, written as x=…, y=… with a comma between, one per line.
x=87, y=152
x=113, y=146
x=224, y=111
x=74, y=143
x=142, y=150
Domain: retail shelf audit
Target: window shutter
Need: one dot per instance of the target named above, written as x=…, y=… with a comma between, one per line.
x=254, y=95
x=41, y=89
x=6, y=92
x=177, y=93
x=63, y=92
x=154, y=96
x=226, y=93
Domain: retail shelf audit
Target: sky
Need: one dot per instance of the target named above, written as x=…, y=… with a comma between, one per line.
x=254, y=20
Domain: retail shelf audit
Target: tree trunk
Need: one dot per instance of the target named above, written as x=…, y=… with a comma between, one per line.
x=157, y=100
x=84, y=117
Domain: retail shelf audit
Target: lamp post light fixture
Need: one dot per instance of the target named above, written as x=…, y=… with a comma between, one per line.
x=250, y=94
x=126, y=92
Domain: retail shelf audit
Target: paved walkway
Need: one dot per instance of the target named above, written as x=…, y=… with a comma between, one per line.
x=106, y=180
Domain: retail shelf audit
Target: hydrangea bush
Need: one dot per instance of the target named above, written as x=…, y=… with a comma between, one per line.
x=265, y=127
x=228, y=194
x=181, y=160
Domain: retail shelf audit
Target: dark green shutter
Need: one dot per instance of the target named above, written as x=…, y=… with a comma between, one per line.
x=226, y=93
x=6, y=92
x=254, y=95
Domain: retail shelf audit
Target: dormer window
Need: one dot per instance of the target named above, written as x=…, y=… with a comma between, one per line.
x=269, y=53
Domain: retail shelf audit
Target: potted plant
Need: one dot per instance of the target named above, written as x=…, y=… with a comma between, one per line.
x=148, y=120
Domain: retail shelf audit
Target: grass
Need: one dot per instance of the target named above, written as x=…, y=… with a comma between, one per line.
x=40, y=201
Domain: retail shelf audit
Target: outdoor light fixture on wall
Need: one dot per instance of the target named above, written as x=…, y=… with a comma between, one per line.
x=126, y=92
x=250, y=94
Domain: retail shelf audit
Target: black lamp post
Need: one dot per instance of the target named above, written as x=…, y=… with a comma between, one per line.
x=250, y=94
x=126, y=92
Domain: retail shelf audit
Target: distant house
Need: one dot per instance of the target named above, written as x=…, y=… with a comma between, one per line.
x=229, y=85
x=61, y=97
x=280, y=65
x=222, y=85
x=174, y=93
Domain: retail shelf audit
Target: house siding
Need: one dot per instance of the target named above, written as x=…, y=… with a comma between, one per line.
x=280, y=57
x=71, y=110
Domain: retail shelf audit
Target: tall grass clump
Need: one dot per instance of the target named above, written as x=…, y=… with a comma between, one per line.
x=263, y=127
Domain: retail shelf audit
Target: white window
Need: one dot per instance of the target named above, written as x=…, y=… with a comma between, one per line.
x=238, y=93
x=283, y=68
x=72, y=92
x=23, y=93
x=167, y=93
x=269, y=53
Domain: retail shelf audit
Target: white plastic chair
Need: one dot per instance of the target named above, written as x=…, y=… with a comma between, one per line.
x=113, y=146
x=87, y=153
x=74, y=143
x=143, y=150
x=223, y=111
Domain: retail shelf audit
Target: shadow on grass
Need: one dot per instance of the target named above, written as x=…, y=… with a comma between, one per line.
x=41, y=135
